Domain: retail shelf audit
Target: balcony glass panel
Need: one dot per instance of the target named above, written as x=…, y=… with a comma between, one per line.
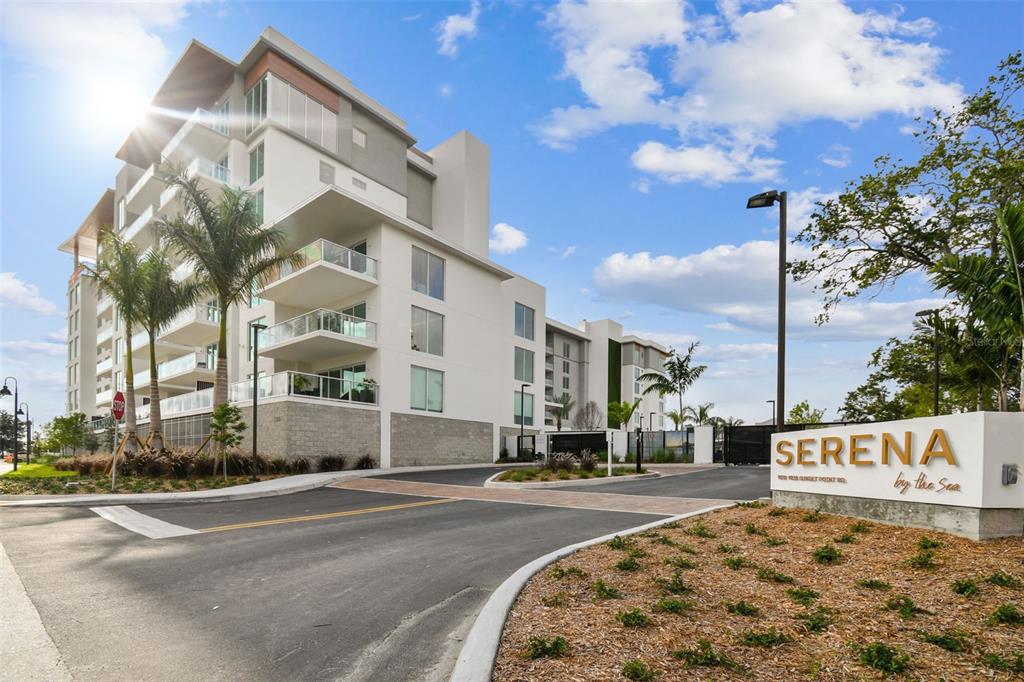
x=185, y=363
x=329, y=252
x=319, y=320
x=308, y=386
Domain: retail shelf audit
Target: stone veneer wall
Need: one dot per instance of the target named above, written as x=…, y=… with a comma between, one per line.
x=421, y=440
x=291, y=428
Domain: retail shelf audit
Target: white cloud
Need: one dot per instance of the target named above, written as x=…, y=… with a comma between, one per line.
x=445, y=90
x=44, y=347
x=506, y=239
x=642, y=185
x=837, y=156
x=16, y=293
x=802, y=204
x=739, y=283
x=568, y=251
x=736, y=77
x=58, y=334
x=455, y=27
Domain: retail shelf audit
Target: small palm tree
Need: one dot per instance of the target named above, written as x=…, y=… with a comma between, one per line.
x=162, y=298
x=560, y=413
x=230, y=249
x=117, y=274
x=992, y=286
x=679, y=375
x=676, y=417
x=619, y=414
x=699, y=415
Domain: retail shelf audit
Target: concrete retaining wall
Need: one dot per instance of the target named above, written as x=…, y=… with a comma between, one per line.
x=970, y=522
x=421, y=440
x=292, y=428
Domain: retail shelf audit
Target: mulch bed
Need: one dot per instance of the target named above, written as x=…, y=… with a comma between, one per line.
x=560, y=602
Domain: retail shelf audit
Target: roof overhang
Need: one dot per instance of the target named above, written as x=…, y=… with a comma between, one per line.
x=87, y=233
x=567, y=329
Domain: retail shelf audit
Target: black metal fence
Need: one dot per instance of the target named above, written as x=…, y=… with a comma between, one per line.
x=578, y=441
x=663, y=446
x=752, y=444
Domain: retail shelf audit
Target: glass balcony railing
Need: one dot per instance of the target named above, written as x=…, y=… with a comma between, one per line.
x=102, y=303
x=328, y=252
x=185, y=363
x=205, y=312
x=319, y=320
x=307, y=386
x=104, y=365
x=186, y=402
x=104, y=333
x=183, y=271
x=137, y=224
x=104, y=397
x=216, y=122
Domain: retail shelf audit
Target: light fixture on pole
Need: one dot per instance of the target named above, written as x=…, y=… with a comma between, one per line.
x=640, y=442
x=256, y=328
x=766, y=200
x=934, y=314
x=28, y=435
x=4, y=391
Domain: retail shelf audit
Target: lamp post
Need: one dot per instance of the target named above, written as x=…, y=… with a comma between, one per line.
x=934, y=314
x=640, y=443
x=28, y=435
x=256, y=329
x=522, y=420
x=6, y=392
x=773, y=411
x=765, y=200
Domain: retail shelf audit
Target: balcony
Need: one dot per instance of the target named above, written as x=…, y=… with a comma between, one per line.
x=177, y=404
x=195, y=326
x=104, y=334
x=146, y=190
x=211, y=176
x=140, y=222
x=183, y=271
x=327, y=273
x=183, y=371
x=308, y=386
x=103, y=304
x=104, y=397
x=318, y=334
x=104, y=366
x=202, y=134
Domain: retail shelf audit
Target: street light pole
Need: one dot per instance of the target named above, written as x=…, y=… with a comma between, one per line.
x=640, y=443
x=5, y=392
x=256, y=329
x=28, y=435
x=764, y=200
x=522, y=420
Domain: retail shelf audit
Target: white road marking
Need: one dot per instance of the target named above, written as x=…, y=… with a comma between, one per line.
x=148, y=526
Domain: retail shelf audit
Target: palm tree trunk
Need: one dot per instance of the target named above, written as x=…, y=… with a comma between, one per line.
x=156, y=438
x=220, y=386
x=131, y=427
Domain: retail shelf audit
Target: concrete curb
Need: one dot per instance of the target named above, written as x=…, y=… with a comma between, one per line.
x=249, y=491
x=491, y=483
x=476, y=660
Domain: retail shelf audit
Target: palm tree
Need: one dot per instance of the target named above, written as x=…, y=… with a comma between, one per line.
x=620, y=414
x=699, y=415
x=676, y=417
x=226, y=243
x=117, y=275
x=678, y=376
x=992, y=286
x=565, y=405
x=162, y=298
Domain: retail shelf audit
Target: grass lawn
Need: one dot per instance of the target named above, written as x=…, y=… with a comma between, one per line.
x=40, y=470
x=760, y=593
x=56, y=484
x=530, y=474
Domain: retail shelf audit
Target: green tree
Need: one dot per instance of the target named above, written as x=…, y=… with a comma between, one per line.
x=700, y=415
x=7, y=430
x=620, y=414
x=562, y=411
x=906, y=217
x=679, y=375
x=227, y=429
x=803, y=413
x=117, y=275
x=229, y=247
x=677, y=418
x=67, y=432
x=161, y=299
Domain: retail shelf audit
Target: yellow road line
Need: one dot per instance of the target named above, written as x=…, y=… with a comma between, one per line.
x=319, y=517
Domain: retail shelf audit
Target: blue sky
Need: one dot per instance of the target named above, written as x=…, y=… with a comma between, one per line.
x=624, y=141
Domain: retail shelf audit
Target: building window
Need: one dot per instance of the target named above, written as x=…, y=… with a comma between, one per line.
x=256, y=163
x=256, y=105
x=211, y=356
x=427, y=389
x=254, y=299
x=523, y=404
x=119, y=380
x=524, y=365
x=221, y=121
x=427, y=273
x=524, y=321
x=358, y=137
x=565, y=366
x=565, y=351
x=565, y=382
x=357, y=310
x=252, y=332
x=638, y=356
x=259, y=206
x=427, y=331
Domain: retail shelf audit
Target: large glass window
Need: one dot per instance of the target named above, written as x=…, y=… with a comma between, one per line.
x=254, y=299
x=524, y=365
x=427, y=273
x=259, y=205
x=523, y=404
x=211, y=356
x=427, y=331
x=256, y=105
x=357, y=310
x=256, y=163
x=524, y=321
x=427, y=389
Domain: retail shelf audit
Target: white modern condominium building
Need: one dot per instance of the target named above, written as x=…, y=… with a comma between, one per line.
x=396, y=337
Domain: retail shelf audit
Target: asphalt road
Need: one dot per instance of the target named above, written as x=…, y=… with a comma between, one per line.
x=725, y=483
x=381, y=595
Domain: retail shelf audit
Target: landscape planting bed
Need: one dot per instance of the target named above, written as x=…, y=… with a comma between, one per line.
x=640, y=607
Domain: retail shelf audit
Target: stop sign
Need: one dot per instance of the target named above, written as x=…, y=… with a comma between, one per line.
x=117, y=405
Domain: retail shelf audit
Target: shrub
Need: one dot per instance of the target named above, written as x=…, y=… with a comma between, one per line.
x=620, y=543
x=827, y=555
x=804, y=596
x=587, y=461
x=753, y=504
x=817, y=620
x=561, y=461
x=664, y=540
x=680, y=562
x=812, y=516
x=686, y=548
x=636, y=553
x=542, y=647
x=883, y=657
x=634, y=618
x=778, y=511
x=743, y=608
x=1003, y=579
x=699, y=530
x=558, y=572
x=727, y=549
x=766, y=638
x=928, y=543
x=874, y=584
x=1006, y=614
x=299, y=465
x=703, y=655
x=604, y=591
x=735, y=562
x=924, y=559
x=638, y=671
x=365, y=462
x=846, y=539
x=950, y=640
x=965, y=587
x=675, y=585
x=555, y=600
x=628, y=564
x=331, y=463
x=860, y=527
x=751, y=529
x=773, y=576
x=905, y=606
x=1013, y=663
x=775, y=542
x=278, y=465
x=669, y=605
